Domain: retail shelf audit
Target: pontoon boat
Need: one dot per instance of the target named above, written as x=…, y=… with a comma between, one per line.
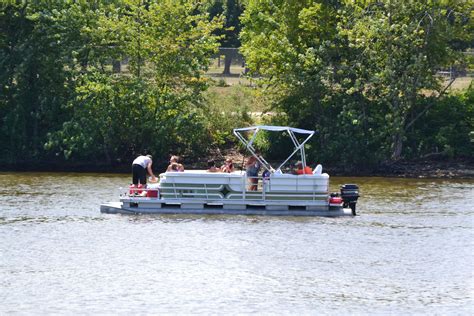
x=277, y=193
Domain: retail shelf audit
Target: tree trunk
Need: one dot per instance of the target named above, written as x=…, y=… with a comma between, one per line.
x=108, y=159
x=397, y=146
x=227, y=62
x=116, y=66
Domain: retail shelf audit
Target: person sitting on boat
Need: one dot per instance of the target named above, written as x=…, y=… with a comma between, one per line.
x=173, y=167
x=300, y=170
x=252, y=167
x=228, y=166
x=212, y=166
x=175, y=160
x=140, y=166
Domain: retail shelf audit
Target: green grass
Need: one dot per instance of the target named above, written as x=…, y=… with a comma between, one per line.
x=232, y=98
x=461, y=83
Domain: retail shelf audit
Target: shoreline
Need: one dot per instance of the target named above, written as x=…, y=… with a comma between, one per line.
x=414, y=169
x=439, y=169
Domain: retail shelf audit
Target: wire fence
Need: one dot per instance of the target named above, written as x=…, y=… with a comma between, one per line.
x=228, y=67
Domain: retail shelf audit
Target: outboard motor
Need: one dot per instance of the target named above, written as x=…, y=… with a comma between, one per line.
x=350, y=194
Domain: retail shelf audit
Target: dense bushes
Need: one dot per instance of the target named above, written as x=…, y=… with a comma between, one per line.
x=446, y=129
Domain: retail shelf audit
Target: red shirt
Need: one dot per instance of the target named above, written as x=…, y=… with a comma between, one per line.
x=306, y=170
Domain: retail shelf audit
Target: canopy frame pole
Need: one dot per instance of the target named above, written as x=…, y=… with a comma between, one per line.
x=289, y=157
x=250, y=143
x=298, y=146
x=301, y=149
x=249, y=146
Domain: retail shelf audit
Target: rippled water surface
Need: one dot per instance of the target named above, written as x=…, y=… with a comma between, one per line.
x=410, y=250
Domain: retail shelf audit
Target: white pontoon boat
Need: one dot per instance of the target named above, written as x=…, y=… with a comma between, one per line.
x=278, y=193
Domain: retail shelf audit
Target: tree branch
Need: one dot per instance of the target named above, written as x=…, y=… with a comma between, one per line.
x=429, y=106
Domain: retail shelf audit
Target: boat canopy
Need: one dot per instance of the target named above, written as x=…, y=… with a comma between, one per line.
x=275, y=129
x=299, y=146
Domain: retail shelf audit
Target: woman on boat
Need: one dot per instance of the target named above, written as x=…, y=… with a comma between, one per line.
x=228, y=166
x=252, y=167
x=175, y=160
x=140, y=166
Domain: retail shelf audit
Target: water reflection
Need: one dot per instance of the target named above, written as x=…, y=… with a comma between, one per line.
x=46, y=219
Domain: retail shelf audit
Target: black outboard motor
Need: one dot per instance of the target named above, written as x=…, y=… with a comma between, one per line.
x=350, y=194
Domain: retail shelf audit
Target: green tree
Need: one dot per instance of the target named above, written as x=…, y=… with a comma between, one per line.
x=356, y=72
x=447, y=129
x=154, y=106
x=32, y=59
x=60, y=97
x=42, y=54
x=401, y=45
x=231, y=10
x=296, y=49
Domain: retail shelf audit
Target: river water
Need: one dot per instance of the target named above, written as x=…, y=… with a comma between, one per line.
x=410, y=250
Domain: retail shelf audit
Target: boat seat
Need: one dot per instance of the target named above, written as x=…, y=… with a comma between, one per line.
x=195, y=179
x=318, y=169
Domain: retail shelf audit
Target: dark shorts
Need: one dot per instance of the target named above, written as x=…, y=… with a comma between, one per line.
x=138, y=174
x=252, y=171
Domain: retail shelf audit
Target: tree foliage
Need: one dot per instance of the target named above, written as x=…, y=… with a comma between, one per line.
x=34, y=77
x=62, y=97
x=361, y=73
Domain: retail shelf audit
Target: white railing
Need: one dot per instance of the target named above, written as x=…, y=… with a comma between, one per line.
x=262, y=192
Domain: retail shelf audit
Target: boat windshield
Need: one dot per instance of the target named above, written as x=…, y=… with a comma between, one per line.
x=298, y=146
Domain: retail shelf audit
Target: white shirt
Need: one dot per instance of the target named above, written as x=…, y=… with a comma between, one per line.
x=142, y=161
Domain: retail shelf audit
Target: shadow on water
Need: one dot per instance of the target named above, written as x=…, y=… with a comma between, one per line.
x=212, y=218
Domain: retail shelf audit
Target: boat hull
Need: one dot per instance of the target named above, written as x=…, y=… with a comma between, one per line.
x=250, y=209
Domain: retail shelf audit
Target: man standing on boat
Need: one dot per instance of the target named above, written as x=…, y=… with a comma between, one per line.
x=252, y=167
x=140, y=166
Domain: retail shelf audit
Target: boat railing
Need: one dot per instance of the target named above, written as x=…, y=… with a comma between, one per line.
x=219, y=191
x=263, y=185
